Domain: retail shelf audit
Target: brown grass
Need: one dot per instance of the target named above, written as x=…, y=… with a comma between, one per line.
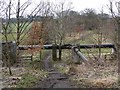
x=97, y=76
x=104, y=82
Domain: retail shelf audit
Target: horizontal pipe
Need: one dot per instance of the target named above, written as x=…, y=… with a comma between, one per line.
x=50, y=46
x=96, y=46
x=66, y=46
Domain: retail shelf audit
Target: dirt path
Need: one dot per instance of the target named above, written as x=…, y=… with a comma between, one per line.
x=55, y=78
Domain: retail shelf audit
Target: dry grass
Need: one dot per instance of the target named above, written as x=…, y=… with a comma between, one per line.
x=21, y=72
x=104, y=82
x=104, y=76
x=96, y=73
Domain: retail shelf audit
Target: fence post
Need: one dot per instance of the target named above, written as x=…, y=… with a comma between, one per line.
x=54, y=52
x=31, y=57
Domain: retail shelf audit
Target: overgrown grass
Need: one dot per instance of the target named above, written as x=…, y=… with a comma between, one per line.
x=30, y=78
x=34, y=71
x=37, y=62
x=27, y=81
x=44, y=54
x=61, y=67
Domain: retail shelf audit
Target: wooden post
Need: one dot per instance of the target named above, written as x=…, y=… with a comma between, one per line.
x=31, y=57
x=54, y=52
x=60, y=52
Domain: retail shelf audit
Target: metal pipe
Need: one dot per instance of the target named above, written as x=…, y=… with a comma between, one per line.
x=66, y=46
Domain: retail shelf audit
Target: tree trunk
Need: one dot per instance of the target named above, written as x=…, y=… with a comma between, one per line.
x=17, y=53
x=8, y=58
x=18, y=29
x=99, y=43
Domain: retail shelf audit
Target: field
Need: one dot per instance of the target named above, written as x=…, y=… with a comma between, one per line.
x=12, y=34
x=97, y=72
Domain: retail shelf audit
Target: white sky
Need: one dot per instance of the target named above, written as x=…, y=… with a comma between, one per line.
x=96, y=4
x=79, y=5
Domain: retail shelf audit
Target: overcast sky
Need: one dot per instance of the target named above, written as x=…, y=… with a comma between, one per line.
x=96, y=4
x=79, y=5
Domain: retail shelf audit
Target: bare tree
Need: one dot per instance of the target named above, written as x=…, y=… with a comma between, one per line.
x=89, y=18
x=116, y=16
x=5, y=26
x=59, y=24
x=21, y=26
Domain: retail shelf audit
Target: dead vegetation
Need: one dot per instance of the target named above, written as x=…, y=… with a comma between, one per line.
x=96, y=74
x=25, y=75
x=103, y=76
